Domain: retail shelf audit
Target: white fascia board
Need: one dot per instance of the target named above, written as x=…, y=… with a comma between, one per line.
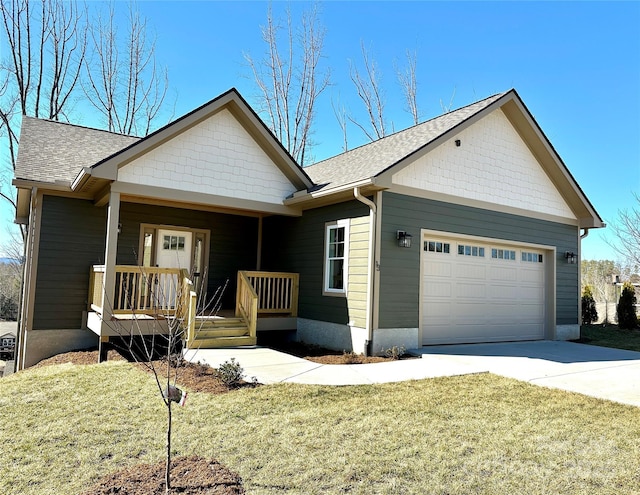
x=304, y=196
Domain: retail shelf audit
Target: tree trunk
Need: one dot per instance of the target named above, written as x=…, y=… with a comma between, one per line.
x=167, y=475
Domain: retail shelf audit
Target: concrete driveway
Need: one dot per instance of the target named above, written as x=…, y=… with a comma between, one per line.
x=600, y=372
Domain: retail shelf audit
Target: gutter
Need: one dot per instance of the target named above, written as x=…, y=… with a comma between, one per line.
x=370, y=282
x=81, y=178
x=305, y=195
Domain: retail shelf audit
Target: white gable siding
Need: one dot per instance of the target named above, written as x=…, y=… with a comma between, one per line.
x=492, y=165
x=217, y=156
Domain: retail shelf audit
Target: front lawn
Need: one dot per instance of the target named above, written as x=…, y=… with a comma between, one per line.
x=610, y=336
x=63, y=426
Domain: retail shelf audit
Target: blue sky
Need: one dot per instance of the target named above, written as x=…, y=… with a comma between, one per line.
x=576, y=65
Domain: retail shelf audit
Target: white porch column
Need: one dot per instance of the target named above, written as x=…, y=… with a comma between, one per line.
x=111, y=247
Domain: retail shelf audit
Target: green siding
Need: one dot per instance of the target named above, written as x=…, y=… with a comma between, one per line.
x=71, y=241
x=297, y=245
x=400, y=267
x=233, y=240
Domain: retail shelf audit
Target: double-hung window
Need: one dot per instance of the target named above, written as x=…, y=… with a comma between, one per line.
x=336, y=251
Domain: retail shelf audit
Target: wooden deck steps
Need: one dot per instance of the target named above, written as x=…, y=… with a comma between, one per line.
x=221, y=332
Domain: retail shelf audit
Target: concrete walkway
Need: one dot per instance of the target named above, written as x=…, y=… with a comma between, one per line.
x=600, y=372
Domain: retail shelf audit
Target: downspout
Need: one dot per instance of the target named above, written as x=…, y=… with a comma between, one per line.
x=370, y=282
x=580, y=237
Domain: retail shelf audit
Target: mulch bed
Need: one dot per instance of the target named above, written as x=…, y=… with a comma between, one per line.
x=326, y=356
x=191, y=475
x=195, y=377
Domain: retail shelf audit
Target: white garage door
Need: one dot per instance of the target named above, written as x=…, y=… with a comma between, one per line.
x=481, y=292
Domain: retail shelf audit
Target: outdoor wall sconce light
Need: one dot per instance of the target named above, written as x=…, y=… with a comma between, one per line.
x=458, y=143
x=571, y=257
x=404, y=239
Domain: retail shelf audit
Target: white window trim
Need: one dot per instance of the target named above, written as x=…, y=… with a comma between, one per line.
x=326, y=291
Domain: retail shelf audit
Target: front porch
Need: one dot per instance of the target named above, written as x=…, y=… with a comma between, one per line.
x=154, y=300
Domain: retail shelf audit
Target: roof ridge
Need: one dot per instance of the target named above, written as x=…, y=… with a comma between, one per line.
x=80, y=126
x=410, y=127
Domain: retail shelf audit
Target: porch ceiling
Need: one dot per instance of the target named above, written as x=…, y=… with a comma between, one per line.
x=198, y=201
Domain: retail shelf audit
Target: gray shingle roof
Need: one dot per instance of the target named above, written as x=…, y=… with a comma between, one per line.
x=374, y=158
x=51, y=151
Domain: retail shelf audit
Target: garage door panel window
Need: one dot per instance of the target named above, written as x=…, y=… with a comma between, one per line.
x=529, y=257
x=437, y=247
x=503, y=254
x=470, y=250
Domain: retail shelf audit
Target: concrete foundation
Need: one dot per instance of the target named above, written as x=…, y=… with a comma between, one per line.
x=332, y=335
x=386, y=338
x=41, y=344
x=567, y=332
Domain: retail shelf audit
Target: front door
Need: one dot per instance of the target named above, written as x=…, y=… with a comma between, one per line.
x=174, y=249
x=167, y=247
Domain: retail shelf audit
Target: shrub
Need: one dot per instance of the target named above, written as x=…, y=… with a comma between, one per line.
x=394, y=352
x=350, y=357
x=589, y=312
x=231, y=373
x=626, y=309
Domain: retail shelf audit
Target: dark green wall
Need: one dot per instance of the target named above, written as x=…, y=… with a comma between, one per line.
x=233, y=240
x=71, y=241
x=400, y=267
x=297, y=245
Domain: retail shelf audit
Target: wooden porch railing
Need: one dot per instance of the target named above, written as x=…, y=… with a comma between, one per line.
x=277, y=292
x=138, y=289
x=247, y=303
x=96, y=287
x=187, y=308
x=169, y=292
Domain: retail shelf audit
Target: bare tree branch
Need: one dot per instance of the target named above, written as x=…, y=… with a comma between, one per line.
x=45, y=55
x=626, y=228
x=371, y=94
x=123, y=81
x=68, y=45
x=447, y=108
x=409, y=84
x=341, y=115
x=290, y=80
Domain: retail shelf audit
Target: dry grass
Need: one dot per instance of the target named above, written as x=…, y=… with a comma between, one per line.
x=64, y=426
